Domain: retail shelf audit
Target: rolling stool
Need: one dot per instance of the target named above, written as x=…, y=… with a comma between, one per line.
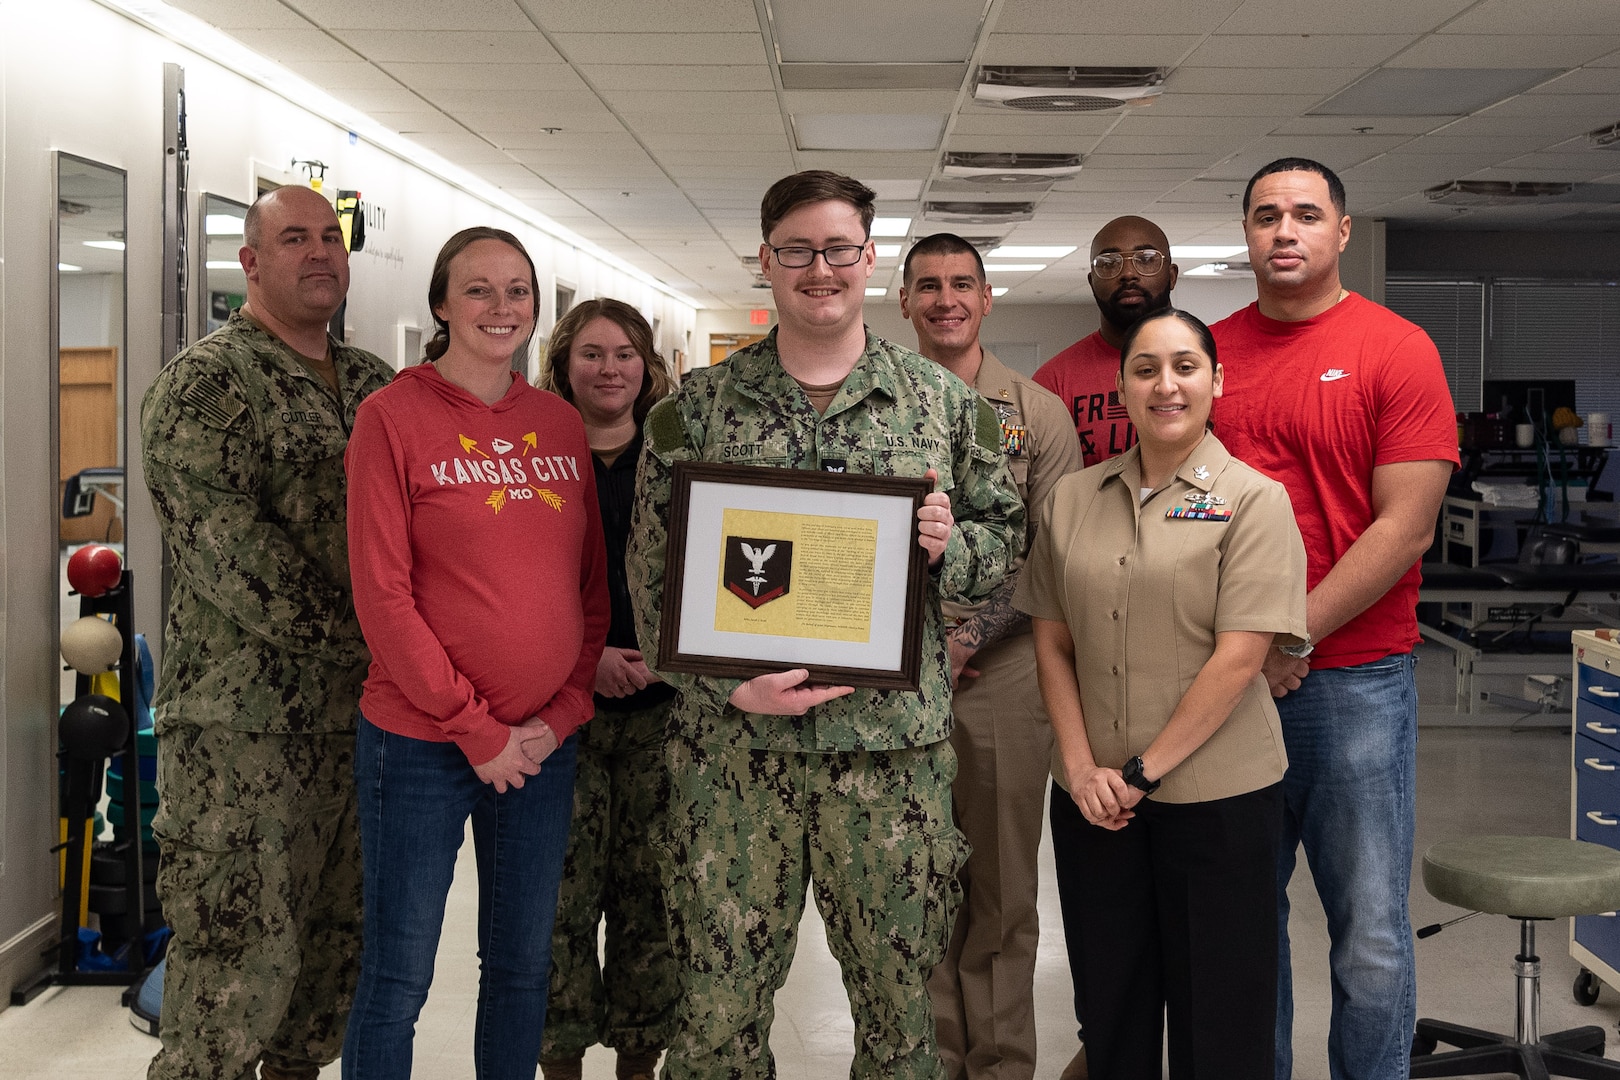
x=1529, y=878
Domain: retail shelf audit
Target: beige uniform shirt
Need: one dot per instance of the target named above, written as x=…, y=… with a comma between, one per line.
x=1144, y=589
x=1037, y=439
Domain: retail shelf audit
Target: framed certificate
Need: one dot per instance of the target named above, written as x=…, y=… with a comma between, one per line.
x=768, y=569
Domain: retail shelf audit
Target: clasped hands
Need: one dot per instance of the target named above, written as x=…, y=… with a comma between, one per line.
x=527, y=745
x=1103, y=796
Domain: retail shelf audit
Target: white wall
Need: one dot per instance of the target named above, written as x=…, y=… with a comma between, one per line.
x=79, y=78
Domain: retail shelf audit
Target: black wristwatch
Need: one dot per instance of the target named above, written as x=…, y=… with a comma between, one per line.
x=1133, y=776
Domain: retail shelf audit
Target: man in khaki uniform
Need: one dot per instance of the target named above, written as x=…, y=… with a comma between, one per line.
x=983, y=991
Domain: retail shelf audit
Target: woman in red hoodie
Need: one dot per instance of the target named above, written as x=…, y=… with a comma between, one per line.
x=480, y=582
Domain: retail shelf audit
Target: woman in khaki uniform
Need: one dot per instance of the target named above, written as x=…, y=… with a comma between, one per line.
x=1157, y=582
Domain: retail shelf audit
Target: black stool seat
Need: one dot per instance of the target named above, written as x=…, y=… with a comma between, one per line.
x=1528, y=878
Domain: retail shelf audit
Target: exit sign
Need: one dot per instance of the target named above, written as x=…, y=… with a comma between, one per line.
x=759, y=317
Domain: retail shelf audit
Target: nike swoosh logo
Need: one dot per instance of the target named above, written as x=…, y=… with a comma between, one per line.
x=1334, y=375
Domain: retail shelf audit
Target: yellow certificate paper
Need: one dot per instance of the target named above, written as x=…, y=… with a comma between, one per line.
x=796, y=575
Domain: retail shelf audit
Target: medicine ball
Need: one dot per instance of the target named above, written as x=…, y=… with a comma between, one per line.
x=93, y=727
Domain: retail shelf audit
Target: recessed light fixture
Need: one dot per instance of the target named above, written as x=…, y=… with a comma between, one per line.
x=222, y=264
x=998, y=290
x=106, y=245
x=1206, y=251
x=1014, y=268
x=868, y=131
x=876, y=292
x=222, y=225
x=1015, y=251
x=69, y=268
x=887, y=251
x=891, y=226
x=1207, y=270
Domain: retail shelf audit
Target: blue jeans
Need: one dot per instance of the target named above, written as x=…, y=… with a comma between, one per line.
x=1351, y=735
x=415, y=798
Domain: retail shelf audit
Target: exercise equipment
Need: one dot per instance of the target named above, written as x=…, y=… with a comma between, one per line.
x=94, y=570
x=91, y=645
x=92, y=727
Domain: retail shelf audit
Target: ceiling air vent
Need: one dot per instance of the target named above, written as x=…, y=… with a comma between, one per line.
x=1067, y=89
x=998, y=172
x=1495, y=192
x=1605, y=138
x=979, y=213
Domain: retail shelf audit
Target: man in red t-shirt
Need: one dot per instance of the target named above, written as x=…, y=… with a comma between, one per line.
x=1131, y=275
x=1346, y=404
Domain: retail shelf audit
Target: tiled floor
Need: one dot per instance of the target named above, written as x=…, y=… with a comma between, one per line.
x=1470, y=781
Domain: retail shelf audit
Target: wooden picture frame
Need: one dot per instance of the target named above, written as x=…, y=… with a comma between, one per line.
x=768, y=569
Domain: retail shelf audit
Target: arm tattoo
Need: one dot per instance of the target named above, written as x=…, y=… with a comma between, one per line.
x=994, y=622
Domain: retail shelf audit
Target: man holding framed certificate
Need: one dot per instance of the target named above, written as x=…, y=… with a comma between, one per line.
x=779, y=784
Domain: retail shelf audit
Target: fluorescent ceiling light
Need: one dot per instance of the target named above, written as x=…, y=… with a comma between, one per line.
x=68, y=268
x=222, y=264
x=1431, y=91
x=1014, y=268
x=220, y=48
x=222, y=225
x=1016, y=251
x=998, y=290
x=106, y=245
x=876, y=292
x=887, y=251
x=859, y=31
x=1207, y=270
x=1206, y=251
x=868, y=131
x=891, y=226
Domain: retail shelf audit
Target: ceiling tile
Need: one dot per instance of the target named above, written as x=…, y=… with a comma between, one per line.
x=1019, y=144
x=1229, y=128
x=662, y=49
x=1065, y=16
x=1504, y=51
x=1348, y=125
x=984, y=121
x=306, y=44
x=677, y=77
x=675, y=124
x=1110, y=50
x=708, y=102
x=586, y=142
x=1260, y=52
x=343, y=75
x=1315, y=17
x=383, y=99
x=720, y=144
x=1542, y=17
x=1216, y=105
x=1277, y=79
x=452, y=47
x=243, y=14
x=416, y=14
x=665, y=16
x=416, y=120
x=496, y=78
x=859, y=31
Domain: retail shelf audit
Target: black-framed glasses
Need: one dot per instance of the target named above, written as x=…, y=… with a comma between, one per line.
x=1110, y=264
x=797, y=258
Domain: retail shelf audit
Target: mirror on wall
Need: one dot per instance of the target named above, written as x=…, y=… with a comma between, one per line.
x=88, y=347
x=224, y=285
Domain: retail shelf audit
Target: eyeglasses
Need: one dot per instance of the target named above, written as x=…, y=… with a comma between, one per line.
x=797, y=258
x=1147, y=261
